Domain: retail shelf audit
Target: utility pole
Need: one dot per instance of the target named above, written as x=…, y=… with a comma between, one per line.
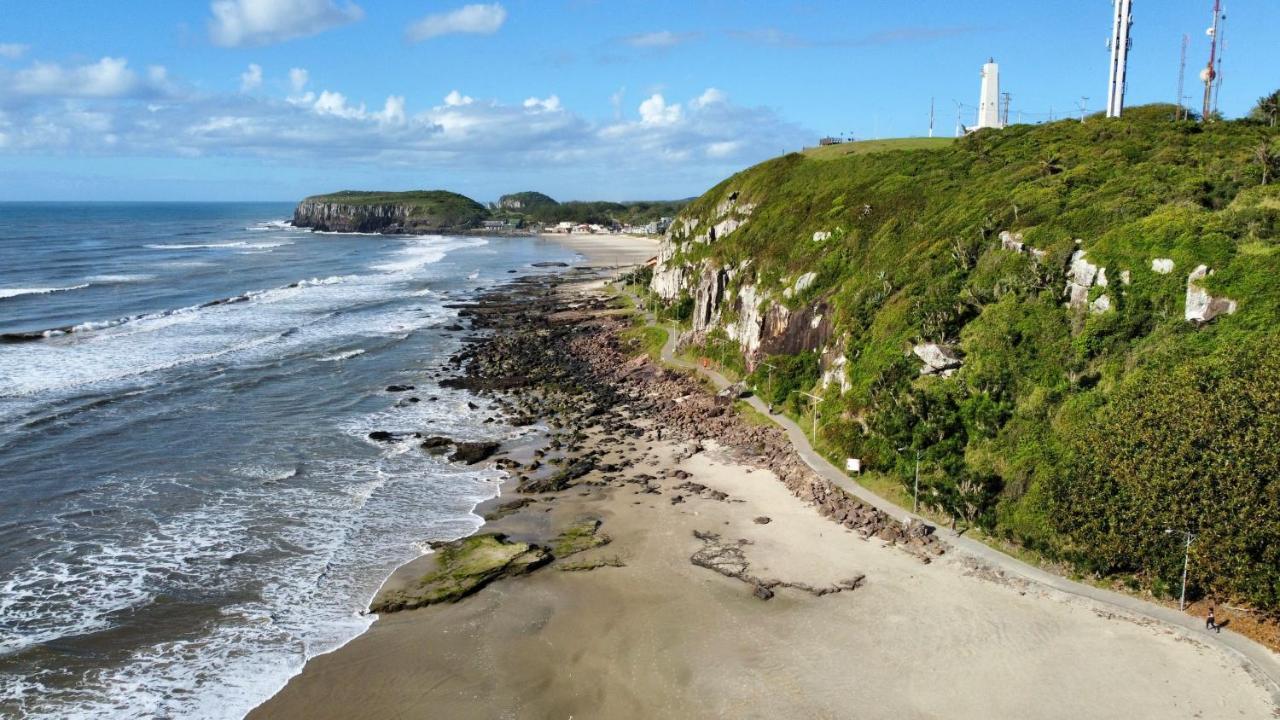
x=1186, y=561
x=1083, y=105
x=1210, y=71
x=814, y=400
x=1182, y=74
x=915, y=489
x=930, y=117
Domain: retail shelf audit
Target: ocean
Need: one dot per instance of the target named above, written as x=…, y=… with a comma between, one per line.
x=189, y=505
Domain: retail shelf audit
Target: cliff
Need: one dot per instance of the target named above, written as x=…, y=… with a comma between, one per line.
x=1073, y=323
x=432, y=211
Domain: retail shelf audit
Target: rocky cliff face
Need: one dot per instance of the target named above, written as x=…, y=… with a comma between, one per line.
x=390, y=218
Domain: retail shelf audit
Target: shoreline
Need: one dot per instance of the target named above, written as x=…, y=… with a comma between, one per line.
x=698, y=487
x=634, y=249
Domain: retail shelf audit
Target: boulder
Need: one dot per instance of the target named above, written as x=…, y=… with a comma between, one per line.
x=821, y=235
x=399, y=388
x=1163, y=266
x=1201, y=306
x=1100, y=305
x=436, y=444
x=471, y=453
x=938, y=359
x=1011, y=241
x=382, y=436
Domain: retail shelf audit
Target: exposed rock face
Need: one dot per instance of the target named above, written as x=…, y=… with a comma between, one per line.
x=463, y=567
x=1163, y=266
x=1011, y=241
x=749, y=326
x=938, y=359
x=1201, y=306
x=834, y=372
x=708, y=296
x=804, y=282
x=390, y=218
x=1082, y=275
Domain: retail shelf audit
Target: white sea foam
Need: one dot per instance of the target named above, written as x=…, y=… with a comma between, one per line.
x=424, y=250
x=337, y=357
x=121, y=278
x=16, y=292
x=195, y=246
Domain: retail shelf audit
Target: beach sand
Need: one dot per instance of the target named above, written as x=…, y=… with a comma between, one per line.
x=855, y=629
x=608, y=250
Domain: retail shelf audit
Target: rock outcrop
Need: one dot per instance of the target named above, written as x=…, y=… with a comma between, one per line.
x=938, y=359
x=1201, y=306
x=391, y=213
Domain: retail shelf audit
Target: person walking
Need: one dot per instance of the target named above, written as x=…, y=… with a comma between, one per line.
x=1211, y=623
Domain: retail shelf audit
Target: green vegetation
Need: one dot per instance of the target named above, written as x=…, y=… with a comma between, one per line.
x=863, y=147
x=463, y=567
x=1079, y=435
x=583, y=534
x=646, y=339
x=538, y=208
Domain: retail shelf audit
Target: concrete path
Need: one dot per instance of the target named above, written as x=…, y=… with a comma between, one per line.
x=1263, y=661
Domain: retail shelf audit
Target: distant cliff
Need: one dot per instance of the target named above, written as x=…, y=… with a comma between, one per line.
x=419, y=211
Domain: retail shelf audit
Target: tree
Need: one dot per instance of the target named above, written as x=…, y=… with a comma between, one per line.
x=1268, y=109
x=1266, y=158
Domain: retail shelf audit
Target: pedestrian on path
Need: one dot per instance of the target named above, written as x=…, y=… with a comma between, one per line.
x=1210, y=623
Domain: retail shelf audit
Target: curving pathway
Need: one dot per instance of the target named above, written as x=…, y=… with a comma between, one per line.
x=1258, y=658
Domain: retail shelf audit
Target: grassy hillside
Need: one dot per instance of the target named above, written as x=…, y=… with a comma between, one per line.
x=863, y=147
x=637, y=212
x=455, y=209
x=1084, y=435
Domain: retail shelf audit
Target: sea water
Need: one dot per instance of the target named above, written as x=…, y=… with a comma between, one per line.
x=190, y=507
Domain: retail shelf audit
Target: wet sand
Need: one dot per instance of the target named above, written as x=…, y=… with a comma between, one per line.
x=856, y=627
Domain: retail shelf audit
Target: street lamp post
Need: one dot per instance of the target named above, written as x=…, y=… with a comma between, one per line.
x=769, y=383
x=1186, y=561
x=915, y=489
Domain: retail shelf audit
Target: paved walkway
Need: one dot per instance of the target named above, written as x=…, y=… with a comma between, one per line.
x=1260, y=659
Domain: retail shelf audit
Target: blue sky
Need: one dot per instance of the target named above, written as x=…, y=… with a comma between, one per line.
x=588, y=99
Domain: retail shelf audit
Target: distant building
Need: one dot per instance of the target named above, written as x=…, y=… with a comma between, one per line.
x=830, y=140
x=659, y=226
x=989, y=103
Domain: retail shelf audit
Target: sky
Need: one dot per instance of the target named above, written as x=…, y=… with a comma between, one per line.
x=581, y=99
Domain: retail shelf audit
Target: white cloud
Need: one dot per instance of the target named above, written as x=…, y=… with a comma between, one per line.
x=724, y=148
x=477, y=19
x=551, y=104
x=238, y=23
x=656, y=111
x=251, y=79
x=457, y=99
x=109, y=77
x=393, y=111
x=13, y=51
x=659, y=39
x=710, y=96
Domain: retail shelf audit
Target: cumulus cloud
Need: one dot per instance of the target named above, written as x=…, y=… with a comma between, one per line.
x=109, y=77
x=659, y=39
x=13, y=51
x=251, y=79
x=457, y=99
x=475, y=19
x=550, y=104
x=661, y=146
x=238, y=23
x=656, y=111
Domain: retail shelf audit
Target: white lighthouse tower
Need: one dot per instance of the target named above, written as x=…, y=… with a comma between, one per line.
x=989, y=103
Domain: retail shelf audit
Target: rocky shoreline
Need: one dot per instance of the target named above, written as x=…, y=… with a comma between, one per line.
x=654, y=554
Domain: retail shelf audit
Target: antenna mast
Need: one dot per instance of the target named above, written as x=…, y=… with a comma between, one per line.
x=1004, y=115
x=1209, y=72
x=1119, y=43
x=1222, y=51
x=1182, y=75
x=930, y=117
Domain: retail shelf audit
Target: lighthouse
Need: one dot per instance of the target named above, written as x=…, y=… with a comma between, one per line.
x=989, y=103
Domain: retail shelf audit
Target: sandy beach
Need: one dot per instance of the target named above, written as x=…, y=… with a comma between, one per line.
x=607, y=250
x=726, y=589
